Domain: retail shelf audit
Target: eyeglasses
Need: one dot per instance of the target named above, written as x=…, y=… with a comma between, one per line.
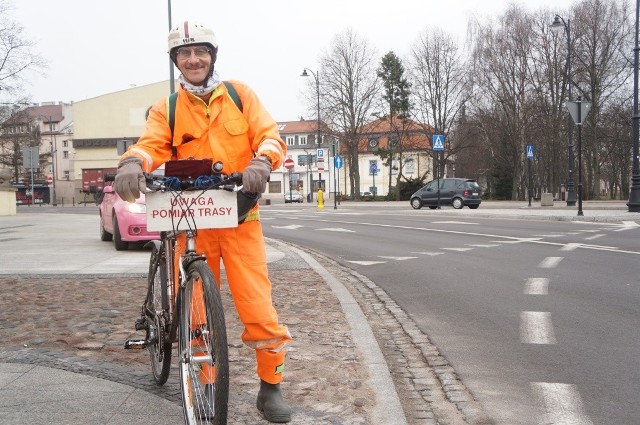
x=201, y=52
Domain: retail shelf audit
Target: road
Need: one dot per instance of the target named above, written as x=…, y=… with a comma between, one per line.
x=539, y=318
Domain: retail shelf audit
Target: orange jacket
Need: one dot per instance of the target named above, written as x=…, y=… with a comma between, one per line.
x=217, y=130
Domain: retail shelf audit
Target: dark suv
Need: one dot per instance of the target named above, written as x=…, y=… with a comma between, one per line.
x=453, y=191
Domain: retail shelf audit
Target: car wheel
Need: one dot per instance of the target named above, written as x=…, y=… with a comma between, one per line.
x=104, y=235
x=117, y=238
x=416, y=203
x=457, y=203
x=473, y=207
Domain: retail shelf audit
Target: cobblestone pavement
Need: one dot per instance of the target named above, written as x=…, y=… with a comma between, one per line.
x=80, y=323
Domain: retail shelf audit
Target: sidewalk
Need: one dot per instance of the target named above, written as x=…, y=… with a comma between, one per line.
x=63, y=324
x=356, y=358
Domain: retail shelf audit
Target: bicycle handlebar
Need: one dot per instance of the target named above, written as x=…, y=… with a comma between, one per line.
x=215, y=181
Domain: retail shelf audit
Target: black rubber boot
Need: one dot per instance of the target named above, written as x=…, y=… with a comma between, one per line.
x=271, y=403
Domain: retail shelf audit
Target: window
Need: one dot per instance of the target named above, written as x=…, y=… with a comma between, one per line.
x=302, y=140
x=65, y=143
x=409, y=166
x=291, y=140
x=319, y=140
x=65, y=154
x=66, y=174
x=395, y=166
x=449, y=184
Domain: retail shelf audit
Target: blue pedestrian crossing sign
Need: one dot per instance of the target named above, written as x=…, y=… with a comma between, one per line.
x=438, y=142
x=530, y=151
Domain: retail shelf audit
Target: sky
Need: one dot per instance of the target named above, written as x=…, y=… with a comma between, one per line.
x=99, y=47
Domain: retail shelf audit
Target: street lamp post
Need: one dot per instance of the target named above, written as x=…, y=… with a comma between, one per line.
x=172, y=83
x=558, y=25
x=318, y=140
x=634, y=194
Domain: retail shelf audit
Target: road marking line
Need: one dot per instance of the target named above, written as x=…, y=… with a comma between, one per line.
x=570, y=246
x=626, y=225
x=432, y=254
x=397, y=258
x=453, y=222
x=599, y=235
x=458, y=249
x=519, y=240
x=550, y=262
x=289, y=227
x=536, y=328
x=366, y=263
x=537, y=286
x=562, y=404
x=337, y=229
x=480, y=245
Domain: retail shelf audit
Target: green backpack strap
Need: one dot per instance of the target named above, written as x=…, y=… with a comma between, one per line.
x=171, y=109
x=171, y=118
x=233, y=94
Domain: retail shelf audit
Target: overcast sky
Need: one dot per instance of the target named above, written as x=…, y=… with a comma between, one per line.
x=99, y=47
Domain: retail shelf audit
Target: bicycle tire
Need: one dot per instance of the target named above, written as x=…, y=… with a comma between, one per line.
x=160, y=350
x=202, y=348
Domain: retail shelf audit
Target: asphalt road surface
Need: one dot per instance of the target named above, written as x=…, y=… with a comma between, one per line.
x=539, y=318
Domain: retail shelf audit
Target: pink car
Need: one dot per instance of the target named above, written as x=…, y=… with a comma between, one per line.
x=122, y=221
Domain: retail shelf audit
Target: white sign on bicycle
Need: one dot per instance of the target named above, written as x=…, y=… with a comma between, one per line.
x=212, y=209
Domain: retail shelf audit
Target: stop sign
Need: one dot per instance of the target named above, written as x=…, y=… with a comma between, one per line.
x=49, y=180
x=289, y=164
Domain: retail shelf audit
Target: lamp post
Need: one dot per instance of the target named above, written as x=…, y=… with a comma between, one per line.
x=578, y=111
x=558, y=25
x=634, y=194
x=172, y=83
x=317, y=78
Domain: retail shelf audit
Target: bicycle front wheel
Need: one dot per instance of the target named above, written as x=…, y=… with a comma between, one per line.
x=157, y=316
x=202, y=342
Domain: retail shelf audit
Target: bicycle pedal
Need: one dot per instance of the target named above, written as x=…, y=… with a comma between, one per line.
x=136, y=344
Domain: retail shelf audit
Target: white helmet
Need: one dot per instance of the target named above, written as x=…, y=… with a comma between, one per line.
x=191, y=33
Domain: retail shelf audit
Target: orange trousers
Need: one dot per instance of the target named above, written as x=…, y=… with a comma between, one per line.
x=242, y=250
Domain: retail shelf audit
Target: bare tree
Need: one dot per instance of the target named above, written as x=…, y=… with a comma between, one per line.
x=603, y=32
x=502, y=74
x=17, y=57
x=439, y=77
x=349, y=90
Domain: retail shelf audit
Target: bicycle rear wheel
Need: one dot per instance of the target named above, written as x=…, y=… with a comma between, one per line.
x=203, y=355
x=157, y=316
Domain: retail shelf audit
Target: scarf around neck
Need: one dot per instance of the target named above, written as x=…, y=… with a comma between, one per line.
x=211, y=84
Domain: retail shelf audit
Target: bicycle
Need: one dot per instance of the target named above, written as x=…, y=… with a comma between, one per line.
x=191, y=312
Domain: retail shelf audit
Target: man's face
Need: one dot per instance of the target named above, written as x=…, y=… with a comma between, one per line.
x=194, y=63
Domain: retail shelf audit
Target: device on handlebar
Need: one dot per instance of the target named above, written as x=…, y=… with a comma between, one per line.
x=185, y=199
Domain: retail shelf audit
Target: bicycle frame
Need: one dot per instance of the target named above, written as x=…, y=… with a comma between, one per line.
x=188, y=256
